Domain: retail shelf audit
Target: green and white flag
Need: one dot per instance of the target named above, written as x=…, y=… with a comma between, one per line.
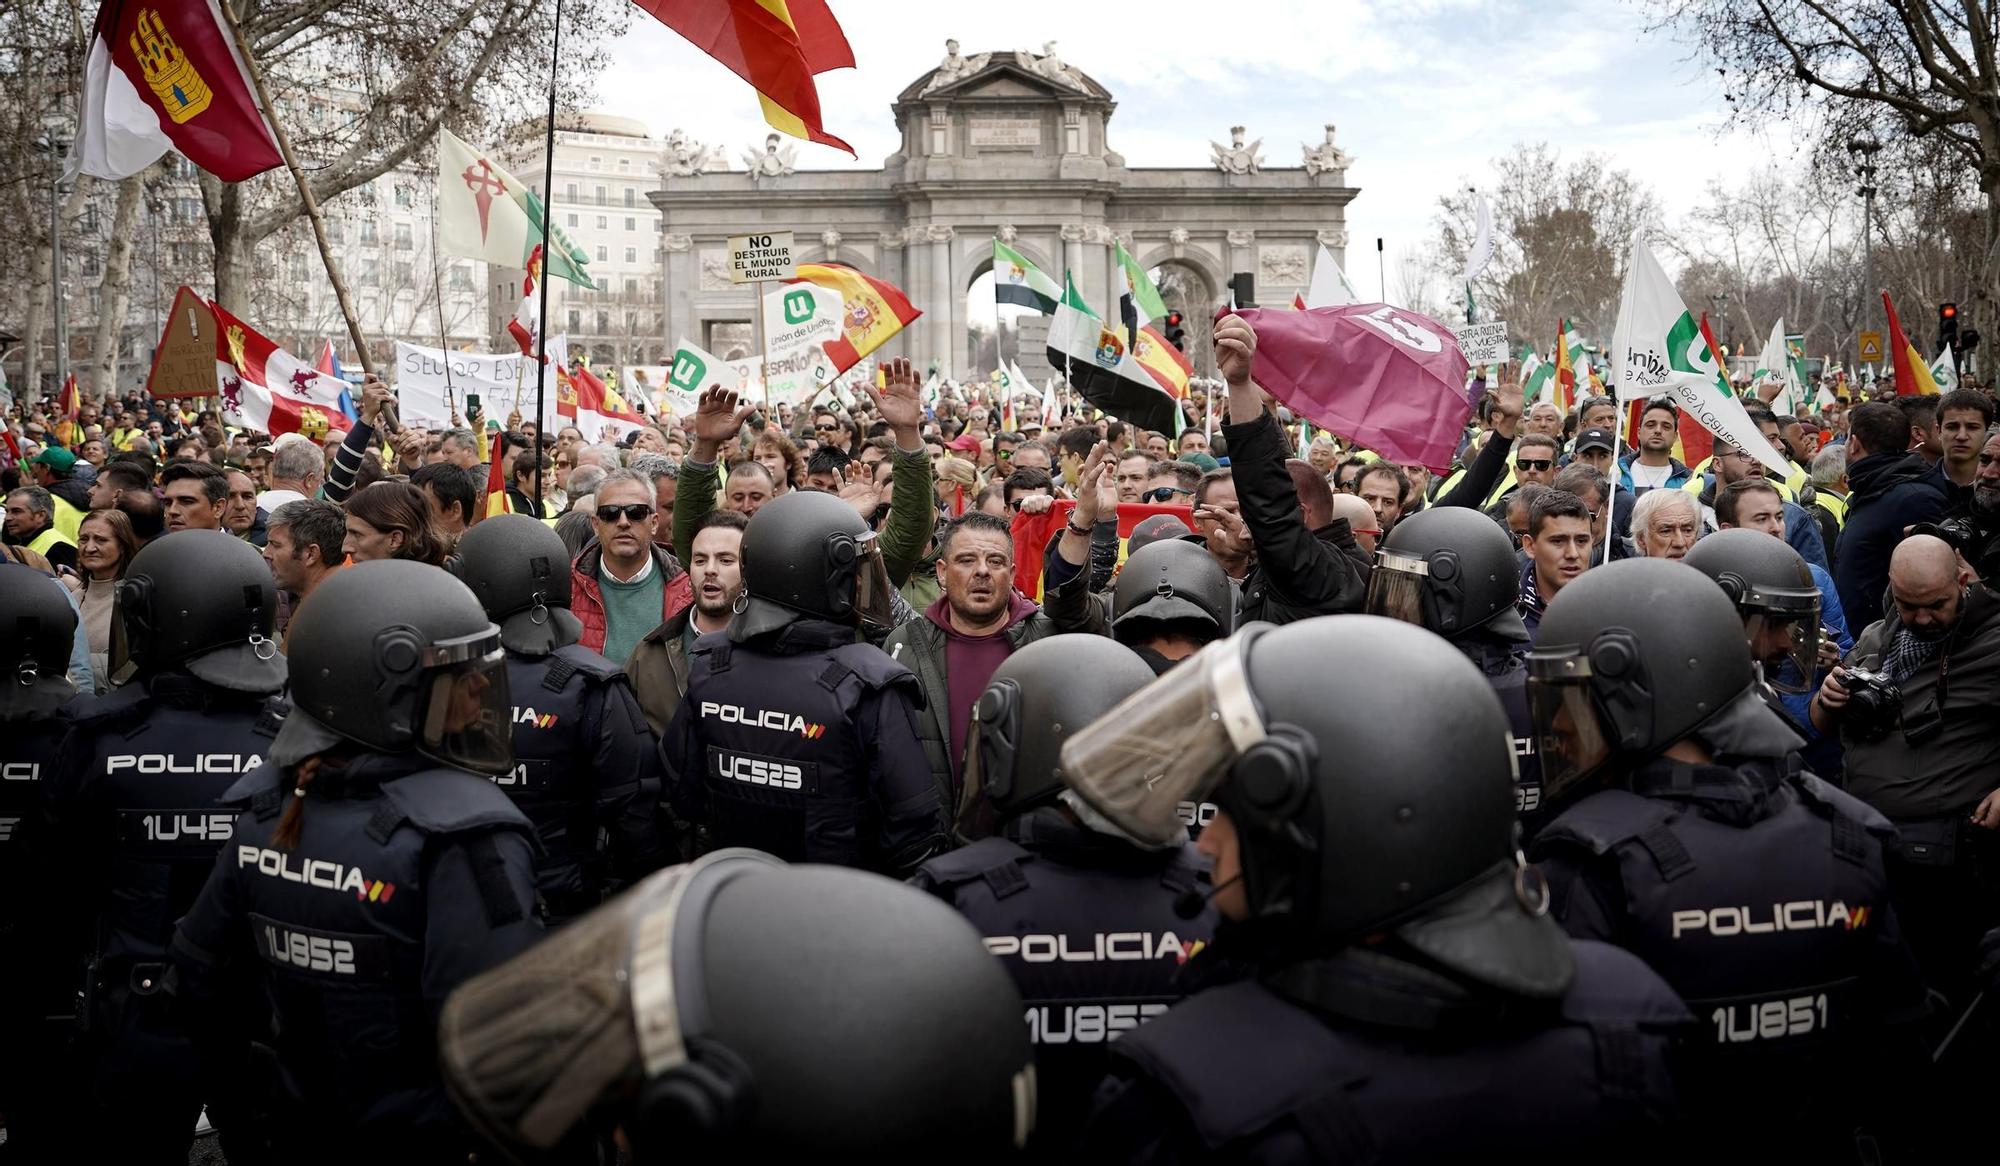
x=693, y=372
x=1538, y=377
x=483, y=212
x=799, y=318
x=1775, y=363
x=1018, y=281
x=1139, y=304
x=1944, y=371
x=1658, y=348
x=1329, y=287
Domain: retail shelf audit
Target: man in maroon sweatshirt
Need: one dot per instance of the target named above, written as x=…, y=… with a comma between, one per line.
x=978, y=622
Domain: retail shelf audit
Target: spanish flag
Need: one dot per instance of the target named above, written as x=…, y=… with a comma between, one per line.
x=1564, y=389
x=872, y=311
x=1913, y=376
x=778, y=46
x=497, y=477
x=1165, y=364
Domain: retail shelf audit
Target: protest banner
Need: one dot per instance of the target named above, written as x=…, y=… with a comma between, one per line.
x=501, y=380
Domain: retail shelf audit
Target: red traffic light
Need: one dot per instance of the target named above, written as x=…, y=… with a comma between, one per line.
x=1948, y=311
x=1174, y=319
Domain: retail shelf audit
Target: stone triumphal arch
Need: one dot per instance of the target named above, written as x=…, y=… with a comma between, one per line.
x=1013, y=145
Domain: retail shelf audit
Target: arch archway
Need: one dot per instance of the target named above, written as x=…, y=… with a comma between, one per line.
x=993, y=329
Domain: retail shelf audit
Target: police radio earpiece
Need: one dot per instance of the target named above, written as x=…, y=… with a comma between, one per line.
x=1191, y=902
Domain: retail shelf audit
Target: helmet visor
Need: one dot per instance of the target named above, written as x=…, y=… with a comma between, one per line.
x=1396, y=587
x=466, y=704
x=1784, y=635
x=990, y=746
x=1568, y=727
x=1171, y=742
x=872, y=606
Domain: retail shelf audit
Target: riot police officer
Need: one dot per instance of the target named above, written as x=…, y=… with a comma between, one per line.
x=585, y=764
x=1171, y=599
x=137, y=822
x=1454, y=571
x=1402, y=964
x=735, y=1009
x=37, y=630
x=793, y=738
x=1085, y=919
x=375, y=867
x=1685, y=834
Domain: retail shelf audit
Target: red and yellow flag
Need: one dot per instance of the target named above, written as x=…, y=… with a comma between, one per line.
x=871, y=311
x=1163, y=362
x=1565, y=386
x=778, y=46
x=1913, y=376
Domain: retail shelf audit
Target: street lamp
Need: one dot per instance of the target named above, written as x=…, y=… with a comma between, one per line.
x=55, y=143
x=1720, y=303
x=1864, y=147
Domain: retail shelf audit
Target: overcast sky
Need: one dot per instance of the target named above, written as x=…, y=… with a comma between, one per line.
x=1425, y=92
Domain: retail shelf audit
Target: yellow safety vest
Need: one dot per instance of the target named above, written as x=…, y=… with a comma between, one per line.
x=1833, y=504
x=68, y=518
x=1696, y=484
x=50, y=538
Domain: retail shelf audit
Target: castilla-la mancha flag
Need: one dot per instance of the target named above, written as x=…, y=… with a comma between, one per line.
x=161, y=75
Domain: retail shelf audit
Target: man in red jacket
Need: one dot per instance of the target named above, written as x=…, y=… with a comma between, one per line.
x=623, y=585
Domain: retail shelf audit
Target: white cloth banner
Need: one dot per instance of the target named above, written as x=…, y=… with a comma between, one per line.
x=499, y=379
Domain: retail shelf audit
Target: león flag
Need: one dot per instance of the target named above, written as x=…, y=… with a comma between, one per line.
x=778, y=46
x=164, y=74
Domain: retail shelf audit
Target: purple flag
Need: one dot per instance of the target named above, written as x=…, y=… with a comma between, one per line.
x=1389, y=379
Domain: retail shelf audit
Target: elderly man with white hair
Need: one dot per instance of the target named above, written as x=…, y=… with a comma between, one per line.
x=1665, y=523
x=298, y=468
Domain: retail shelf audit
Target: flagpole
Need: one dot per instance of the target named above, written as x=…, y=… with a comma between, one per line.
x=305, y=190
x=548, y=204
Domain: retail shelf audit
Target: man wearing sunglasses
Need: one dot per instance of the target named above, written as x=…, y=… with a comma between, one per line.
x=624, y=585
x=1535, y=460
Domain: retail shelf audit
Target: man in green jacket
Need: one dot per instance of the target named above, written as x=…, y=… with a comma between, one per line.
x=718, y=419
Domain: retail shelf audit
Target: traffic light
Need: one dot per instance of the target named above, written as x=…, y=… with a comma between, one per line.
x=1948, y=326
x=1175, y=330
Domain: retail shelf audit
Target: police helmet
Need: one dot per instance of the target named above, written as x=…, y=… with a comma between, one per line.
x=1631, y=657
x=1774, y=593
x=1352, y=820
x=1039, y=696
x=519, y=569
x=396, y=656
x=809, y=554
x=739, y=1005
x=203, y=601
x=1449, y=569
x=1172, y=582
x=37, y=633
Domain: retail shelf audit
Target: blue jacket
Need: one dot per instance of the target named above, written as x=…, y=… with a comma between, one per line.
x=1831, y=616
x=1801, y=529
x=1678, y=475
x=1886, y=492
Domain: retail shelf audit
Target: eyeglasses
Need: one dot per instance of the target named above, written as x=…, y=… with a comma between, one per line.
x=1533, y=463
x=1160, y=494
x=631, y=512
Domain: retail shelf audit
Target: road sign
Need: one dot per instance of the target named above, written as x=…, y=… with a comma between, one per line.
x=1483, y=343
x=759, y=257
x=184, y=363
x=1871, y=347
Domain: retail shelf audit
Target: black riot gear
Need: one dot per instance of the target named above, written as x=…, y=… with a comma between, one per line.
x=1085, y=921
x=1757, y=891
x=1172, y=582
x=1449, y=569
x=365, y=880
x=1401, y=949
x=519, y=569
x=585, y=768
x=1453, y=571
x=1039, y=696
x=740, y=1006
x=1768, y=582
x=37, y=633
x=404, y=660
x=202, y=601
x=809, y=554
x=1631, y=657
x=37, y=630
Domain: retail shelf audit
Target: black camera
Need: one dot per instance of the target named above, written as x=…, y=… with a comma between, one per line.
x=1874, y=704
x=1961, y=532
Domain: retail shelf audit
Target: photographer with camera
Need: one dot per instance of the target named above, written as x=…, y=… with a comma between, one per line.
x=1913, y=706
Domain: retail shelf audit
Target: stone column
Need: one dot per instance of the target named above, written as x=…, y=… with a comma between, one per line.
x=677, y=284
x=942, y=297
x=1072, y=237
